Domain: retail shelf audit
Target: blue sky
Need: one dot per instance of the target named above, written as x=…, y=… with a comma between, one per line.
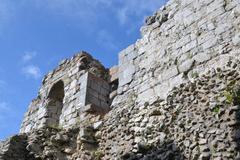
x=36, y=34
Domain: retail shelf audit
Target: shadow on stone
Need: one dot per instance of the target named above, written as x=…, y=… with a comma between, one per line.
x=15, y=149
x=168, y=151
x=236, y=130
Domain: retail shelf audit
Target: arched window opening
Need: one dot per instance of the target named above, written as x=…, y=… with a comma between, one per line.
x=55, y=104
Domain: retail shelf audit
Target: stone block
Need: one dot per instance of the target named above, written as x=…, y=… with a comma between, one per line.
x=104, y=105
x=186, y=66
x=162, y=90
x=169, y=73
x=146, y=95
x=126, y=76
x=87, y=108
x=97, y=125
x=92, y=92
x=210, y=43
x=201, y=57
x=189, y=46
x=93, y=100
x=104, y=92
x=236, y=39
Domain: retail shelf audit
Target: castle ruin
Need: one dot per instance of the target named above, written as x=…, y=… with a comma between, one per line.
x=174, y=94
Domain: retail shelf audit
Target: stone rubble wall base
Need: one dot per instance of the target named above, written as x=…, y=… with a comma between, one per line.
x=177, y=95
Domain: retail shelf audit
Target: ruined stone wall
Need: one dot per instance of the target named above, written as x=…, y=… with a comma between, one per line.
x=76, y=76
x=179, y=42
x=177, y=92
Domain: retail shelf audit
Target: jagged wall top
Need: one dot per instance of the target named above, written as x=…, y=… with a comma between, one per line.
x=180, y=41
x=66, y=90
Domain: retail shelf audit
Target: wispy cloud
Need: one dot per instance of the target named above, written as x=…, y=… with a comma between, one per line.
x=4, y=107
x=28, y=56
x=106, y=40
x=87, y=10
x=32, y=71
x=5, y=111
x=137, y=8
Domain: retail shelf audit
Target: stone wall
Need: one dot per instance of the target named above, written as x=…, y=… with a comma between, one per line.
x=199, y=120
x=14, y=148
x=180, y=41
x=174, y=95
x=98, y=93
x=83, y=83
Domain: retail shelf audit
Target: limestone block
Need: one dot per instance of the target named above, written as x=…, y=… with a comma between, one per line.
x=123, y=55
x=202, y=57
x=105, y=85
x=93, y=100
x=189, y=20
x=144, y=86
x=146, y=95
x=186, y=66
x=217, y=12
x=189, y=46
x=97, y=125
x=215, y=5
x=176, y=81
x=72, y=121
x=183, y=41
x=28, y=128
x=205, y=37
x=162, y=90
x=210, y=43
x=236, y=39
x=95, y=86
x=104, y=92
x=92, y=92
x=169, y=73
x=104, y=105
x=67, y=111
x=73, y=84
x=222, y=28
x=126, y=76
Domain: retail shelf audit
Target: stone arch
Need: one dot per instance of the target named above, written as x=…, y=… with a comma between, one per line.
x=55, y=104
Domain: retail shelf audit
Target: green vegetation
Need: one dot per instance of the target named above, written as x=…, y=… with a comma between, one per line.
x=216, y=109
x=97, y=155
x=236, y=95
x=229, y=97
x=194, y=75
x=232, y=93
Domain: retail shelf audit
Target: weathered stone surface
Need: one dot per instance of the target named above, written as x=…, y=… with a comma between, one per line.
x=173, y=95
x=83, y=81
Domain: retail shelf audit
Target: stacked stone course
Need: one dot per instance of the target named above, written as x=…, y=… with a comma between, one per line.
x=84, y=82
x=174, y=94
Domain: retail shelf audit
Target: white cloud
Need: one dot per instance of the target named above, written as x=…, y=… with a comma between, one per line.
x=32, y=71
x=28, y=56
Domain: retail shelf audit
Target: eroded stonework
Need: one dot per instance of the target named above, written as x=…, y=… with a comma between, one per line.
x=67, y=93
x=175, y=94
